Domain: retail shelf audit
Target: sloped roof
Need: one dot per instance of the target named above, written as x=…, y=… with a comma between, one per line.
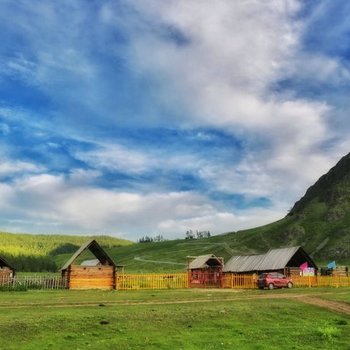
x=4, y=263
x=242, y=263
x=274, y=259
x=95, y=249
x=202, y=261
x=277, y=258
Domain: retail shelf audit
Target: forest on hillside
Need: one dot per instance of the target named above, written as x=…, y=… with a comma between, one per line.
x=35, y=253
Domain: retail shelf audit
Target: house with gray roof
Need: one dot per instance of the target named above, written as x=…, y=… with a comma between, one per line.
x=286, y=260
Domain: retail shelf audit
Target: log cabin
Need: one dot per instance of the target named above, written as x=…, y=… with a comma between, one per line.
x=7, y=272
x=205, y=271
x=99, y=273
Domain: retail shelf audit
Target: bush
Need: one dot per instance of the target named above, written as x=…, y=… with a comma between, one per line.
x=328, y=332
x=13, y=288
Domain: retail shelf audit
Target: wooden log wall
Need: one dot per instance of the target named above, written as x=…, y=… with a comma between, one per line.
x=6, y=272
x=96, y=277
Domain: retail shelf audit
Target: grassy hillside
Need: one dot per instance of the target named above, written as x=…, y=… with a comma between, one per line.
x=321, y=217
x=171, y=255
x=28, y=252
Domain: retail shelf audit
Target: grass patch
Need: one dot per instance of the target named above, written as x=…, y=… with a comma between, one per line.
x=329, y=332
x=183, y=319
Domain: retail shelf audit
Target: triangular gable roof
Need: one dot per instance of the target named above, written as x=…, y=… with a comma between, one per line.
x=95, y=249
x=4, y=263
x=274, y=259
x=201, y=262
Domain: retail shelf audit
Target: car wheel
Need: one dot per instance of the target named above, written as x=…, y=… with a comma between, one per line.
x=271, y=286
x=289, y=285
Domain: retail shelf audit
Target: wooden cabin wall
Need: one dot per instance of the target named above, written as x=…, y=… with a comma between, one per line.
x=6, y=274
x=209, y=276
x=99, y=277
x=6, y=271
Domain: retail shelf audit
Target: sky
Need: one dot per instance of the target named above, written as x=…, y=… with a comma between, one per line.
x=135, y=118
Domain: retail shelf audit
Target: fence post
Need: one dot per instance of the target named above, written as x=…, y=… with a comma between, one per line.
x=188, y=273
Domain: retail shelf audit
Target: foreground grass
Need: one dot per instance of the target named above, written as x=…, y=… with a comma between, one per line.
x=174, y=319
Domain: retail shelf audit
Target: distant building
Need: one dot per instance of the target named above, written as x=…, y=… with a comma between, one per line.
x=99, y=273
x=7, y=272
x=284, y=260
x=205, y=271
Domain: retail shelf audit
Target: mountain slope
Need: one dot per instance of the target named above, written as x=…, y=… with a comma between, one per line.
x=319, y=221
x=322, y=216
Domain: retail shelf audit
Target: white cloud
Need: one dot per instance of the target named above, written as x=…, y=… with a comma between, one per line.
x=47, y=203
x=201, y=64
x=117, y=157
x=222, y=75
x=11, y=168
x=222, y=221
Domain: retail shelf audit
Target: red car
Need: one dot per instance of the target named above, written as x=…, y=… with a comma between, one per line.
x=273, y=280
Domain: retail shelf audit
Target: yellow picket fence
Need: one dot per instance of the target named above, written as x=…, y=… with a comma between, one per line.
x=321, y=281
x=152, y=281
x=231, y=281
x=238, y=281
x=249, y=281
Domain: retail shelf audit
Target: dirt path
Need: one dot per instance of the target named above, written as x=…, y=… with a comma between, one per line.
x=337, y=306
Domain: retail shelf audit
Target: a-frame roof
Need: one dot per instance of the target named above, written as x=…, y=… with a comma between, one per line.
x=204, y=261
x=4, y=263
x=95, y=249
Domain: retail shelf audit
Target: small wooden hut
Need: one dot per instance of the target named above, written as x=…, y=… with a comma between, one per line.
x=7, y=272
x=99, y=273
x=205, y=271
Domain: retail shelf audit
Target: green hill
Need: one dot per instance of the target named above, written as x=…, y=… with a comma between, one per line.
x=28, y=252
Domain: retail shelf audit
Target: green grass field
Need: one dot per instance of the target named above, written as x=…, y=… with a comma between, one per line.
x=172, y=319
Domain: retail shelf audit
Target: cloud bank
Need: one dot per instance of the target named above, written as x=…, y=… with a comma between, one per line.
x=135, y=118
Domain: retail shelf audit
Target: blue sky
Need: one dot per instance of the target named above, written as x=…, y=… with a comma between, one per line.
x=156, y=117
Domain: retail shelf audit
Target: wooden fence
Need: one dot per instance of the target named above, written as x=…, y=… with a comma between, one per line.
x=321, y=281
x=249, y=281
x=152, y=281
x=167, y=281
x=33, y=282
x=238, y=281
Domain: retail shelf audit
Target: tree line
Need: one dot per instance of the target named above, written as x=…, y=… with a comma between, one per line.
x=150, y=239
x=32, y=263
x=197, y=234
